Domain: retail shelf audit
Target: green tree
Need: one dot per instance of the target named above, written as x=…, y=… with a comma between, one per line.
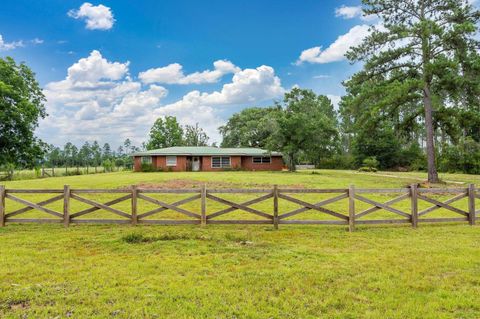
x=21, y=107
x=106, y=152
x=306, y=125
x=96, y=153
x=195, y=136
x=412, y=57
x=252, y=127
x=165, y=132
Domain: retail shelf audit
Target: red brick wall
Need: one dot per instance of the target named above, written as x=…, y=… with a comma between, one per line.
x=276, y=164
x=137, y=163
x=237, y=162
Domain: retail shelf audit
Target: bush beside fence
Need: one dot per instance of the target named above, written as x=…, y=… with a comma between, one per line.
x=278, y=215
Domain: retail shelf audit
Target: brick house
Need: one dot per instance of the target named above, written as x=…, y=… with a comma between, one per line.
x=207, y=158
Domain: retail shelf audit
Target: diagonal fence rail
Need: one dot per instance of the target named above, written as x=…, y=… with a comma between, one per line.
x=278, y=206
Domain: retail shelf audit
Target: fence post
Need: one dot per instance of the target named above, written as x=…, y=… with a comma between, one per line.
x=134, y=205
x=414, y=205
x=2, y=205
x=471, y=204
x=351, y=208
x=66, y=205
x=203, y=195
x=275, y=206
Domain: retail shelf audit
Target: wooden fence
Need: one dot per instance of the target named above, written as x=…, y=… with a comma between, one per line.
x=275, y=216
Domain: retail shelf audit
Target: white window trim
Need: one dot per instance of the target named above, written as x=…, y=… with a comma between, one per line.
x=270, y=162
x=171, y=156
x=221, y=165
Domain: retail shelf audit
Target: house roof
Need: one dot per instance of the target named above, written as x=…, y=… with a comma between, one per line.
x=207, y=150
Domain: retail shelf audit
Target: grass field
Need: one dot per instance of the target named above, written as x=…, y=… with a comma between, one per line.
x=237, y=271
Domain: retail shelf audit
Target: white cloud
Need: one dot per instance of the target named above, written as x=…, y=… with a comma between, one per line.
x=173, y=74
x=37, y=41
x=351, y=12
x=322, y=76
x=5, y=46
x=336, y=51
x=348, y=12
x=95, y=67
x=335, y=100
x=98, y=100
x=96, y=17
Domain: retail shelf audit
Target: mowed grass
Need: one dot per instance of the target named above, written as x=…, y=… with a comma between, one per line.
x=238, y=271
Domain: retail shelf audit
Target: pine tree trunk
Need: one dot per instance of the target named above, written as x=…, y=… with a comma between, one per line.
x=427, y=103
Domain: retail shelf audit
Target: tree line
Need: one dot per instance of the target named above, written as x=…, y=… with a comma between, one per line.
x=414, y=104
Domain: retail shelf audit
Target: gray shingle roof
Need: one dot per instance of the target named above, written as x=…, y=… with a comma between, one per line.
x=207, y=150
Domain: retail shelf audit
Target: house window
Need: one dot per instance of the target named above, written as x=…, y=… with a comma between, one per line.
x=220, y=162
x=261, y=159
x=171, y=161
x=146, y=159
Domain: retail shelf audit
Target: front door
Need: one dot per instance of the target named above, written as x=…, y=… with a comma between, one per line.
x=195, y=164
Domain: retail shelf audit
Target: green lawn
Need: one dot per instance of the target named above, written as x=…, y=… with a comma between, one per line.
x=238, y=271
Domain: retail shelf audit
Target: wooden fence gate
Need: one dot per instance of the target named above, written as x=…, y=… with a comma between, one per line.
x=274, y=215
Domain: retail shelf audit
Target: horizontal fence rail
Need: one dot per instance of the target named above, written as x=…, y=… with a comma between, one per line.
x=276, y=214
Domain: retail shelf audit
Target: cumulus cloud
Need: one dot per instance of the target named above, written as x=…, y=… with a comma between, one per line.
x=96, y=17
x=337, y=50
x=5, y=46
x=99, y=100
x=173, y=74
x=352, y=12
x=95, y=67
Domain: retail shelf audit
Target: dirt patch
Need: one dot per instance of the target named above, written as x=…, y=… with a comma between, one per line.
x=188, y=183
x=18, y=305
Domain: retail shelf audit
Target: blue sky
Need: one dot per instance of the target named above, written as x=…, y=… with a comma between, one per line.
x=109, y=68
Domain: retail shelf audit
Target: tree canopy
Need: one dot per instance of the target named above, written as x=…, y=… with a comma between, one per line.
x=418, y=64
x=21, y=108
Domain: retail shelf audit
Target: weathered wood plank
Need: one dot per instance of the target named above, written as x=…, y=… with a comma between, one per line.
x=313, y=222
x=101, y=206
x=442, y=190
x=203, y=205
x=414, y=205
x=100, y=191
x=242, y=222
x=275, y=207
x=239, y=206
x=443, y=205
x=319, y=204
x=34, y=191
x=312, y=206
x=66, y=205
x=382, y=206
x=2, y=206
x=161, y=209
x=310, y=191
x=381, y=190
x=93, y=209
x=247, y=203
x=445, y=220
x=28, y=208
x=169, y=222
x=134, y=205
x=471, y=204
x=383, y=221
x=34, y=220
x=33, y=205
x=100, y=221
x=351, y=208
x=238, y=190
x=169, y=206
x=169, y=191
x=375, y=208
x=448, y=201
